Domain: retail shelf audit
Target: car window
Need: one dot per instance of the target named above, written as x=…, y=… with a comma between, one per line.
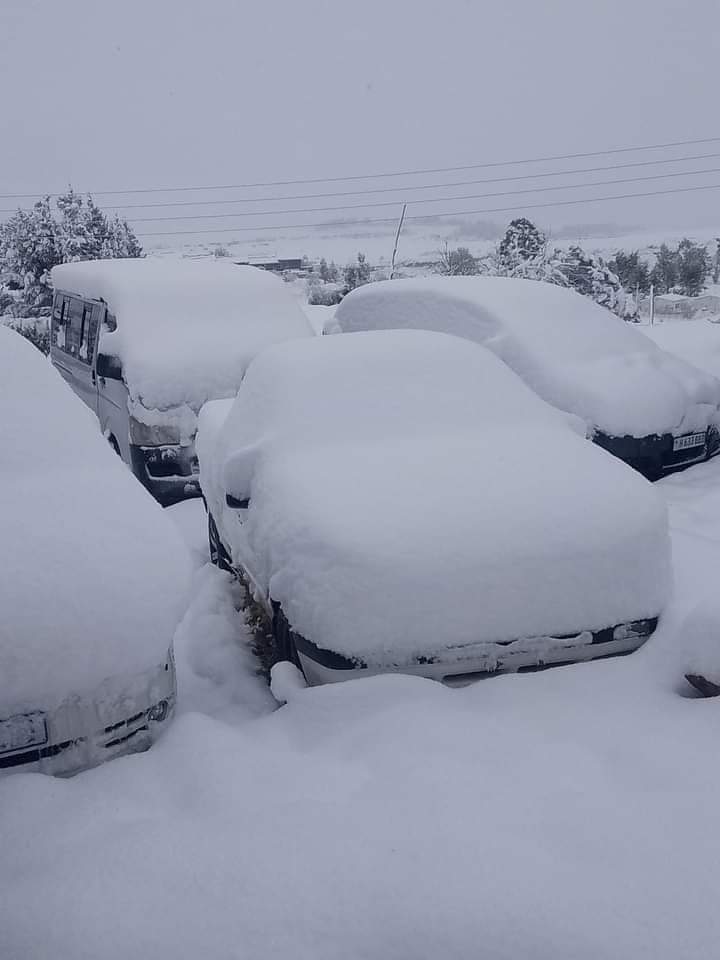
x=73, y=326
x=58, y=332
x=88, y=333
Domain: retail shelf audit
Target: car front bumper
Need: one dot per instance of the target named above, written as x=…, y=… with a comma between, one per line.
x=123, y=716
x=654, y=455
x=170, y=472
x=466, y=664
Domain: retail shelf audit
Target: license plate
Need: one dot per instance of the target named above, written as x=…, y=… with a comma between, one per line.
x=691, y=440
x=22, y=732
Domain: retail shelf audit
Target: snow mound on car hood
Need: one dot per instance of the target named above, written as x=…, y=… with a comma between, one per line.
x=94, y=576
x=409, y=492
x=186, y=330
x=572, y=352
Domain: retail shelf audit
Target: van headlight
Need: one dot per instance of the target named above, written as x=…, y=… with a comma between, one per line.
x=159, y=711
x=153, y=435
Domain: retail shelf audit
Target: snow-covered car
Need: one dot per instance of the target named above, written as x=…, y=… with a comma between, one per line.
x=93, y=584
x=401, y=501
x=648, y=407
x=145, y=342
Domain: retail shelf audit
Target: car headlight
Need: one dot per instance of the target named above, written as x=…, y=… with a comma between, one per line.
x=159, y=711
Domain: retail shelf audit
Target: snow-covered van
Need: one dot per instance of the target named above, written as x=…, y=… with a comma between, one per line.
x=145, y=342
x=401, y=501
x=648, y=407
x=95, y=580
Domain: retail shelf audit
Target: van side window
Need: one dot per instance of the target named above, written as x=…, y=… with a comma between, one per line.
x=73, y=326
x=88, y=333
x=60, y=309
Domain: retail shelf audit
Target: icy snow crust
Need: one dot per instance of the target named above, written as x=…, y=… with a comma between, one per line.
x=186, y=330
x=409, y=494
x=570, y=351
x=94, y=577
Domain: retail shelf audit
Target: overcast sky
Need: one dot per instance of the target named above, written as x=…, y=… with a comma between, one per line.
x=112, y=94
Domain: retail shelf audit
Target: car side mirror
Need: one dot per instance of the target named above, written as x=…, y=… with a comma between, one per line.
x=110, y=323
x=108, y=367
x=237, y=477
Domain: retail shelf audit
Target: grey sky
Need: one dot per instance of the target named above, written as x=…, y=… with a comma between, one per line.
x=137, y=93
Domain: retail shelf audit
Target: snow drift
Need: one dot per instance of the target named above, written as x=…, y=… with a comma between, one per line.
x=94, y=576
x=570, y=351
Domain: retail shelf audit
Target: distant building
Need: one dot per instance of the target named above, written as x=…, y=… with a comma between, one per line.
x=709, y=302
x=677, y=305
x=281, y=265
x=674, y=304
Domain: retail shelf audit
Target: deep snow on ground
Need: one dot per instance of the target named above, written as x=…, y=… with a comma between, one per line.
x=564, y=814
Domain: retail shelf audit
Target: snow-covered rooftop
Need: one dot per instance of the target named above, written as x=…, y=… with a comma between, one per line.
x=186, y=329
x=571, y=351
x=408, y=493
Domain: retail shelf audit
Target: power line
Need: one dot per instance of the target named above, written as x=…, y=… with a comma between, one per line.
x=432, y=216
x=375, y=176
x=396, y=189
x=392, y=203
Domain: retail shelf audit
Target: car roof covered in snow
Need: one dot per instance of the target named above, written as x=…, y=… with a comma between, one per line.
x=574, y=353
x=409, y=492
x=94, y=578
x=186, y=329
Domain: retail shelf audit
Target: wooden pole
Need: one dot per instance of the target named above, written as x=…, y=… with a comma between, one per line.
x=397, y=237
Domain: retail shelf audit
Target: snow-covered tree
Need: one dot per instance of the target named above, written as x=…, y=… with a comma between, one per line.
x=522, y=242
x=631, y=270
x=593, y=278
x=33, y=241
x=663, y=275
x=525, y=254
x=358, y=273
x=693, y=266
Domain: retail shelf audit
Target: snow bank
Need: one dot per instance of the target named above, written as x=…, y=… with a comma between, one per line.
x=94, y=576
x=555, y=816
x=572, y=352
x=409, y=493
x=186, y=330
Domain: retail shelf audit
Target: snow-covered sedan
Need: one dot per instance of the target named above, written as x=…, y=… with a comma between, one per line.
x=401, y=501
x=93, y=582
x=648, y=407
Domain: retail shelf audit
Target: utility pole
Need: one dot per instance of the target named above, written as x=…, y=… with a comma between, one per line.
x=652, y=304
x=397, y=237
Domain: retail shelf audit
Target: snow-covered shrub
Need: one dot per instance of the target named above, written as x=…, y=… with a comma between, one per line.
x=458, y=262
x=324, y=294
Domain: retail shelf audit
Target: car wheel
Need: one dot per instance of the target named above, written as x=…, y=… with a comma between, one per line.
x=283, y=641
x=218, y=554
